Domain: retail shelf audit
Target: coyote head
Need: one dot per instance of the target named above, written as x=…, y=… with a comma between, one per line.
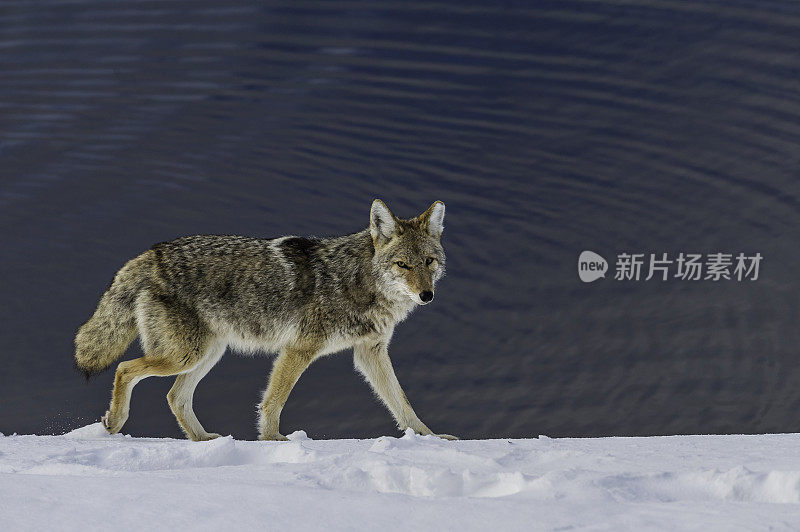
x=409, y=257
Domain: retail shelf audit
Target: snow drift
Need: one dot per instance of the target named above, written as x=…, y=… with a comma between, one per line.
x=87, y=479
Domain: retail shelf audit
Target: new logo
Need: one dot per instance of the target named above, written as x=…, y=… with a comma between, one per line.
x=591, y=266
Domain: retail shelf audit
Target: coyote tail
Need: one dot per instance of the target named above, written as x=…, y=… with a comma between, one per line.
x=111, y=329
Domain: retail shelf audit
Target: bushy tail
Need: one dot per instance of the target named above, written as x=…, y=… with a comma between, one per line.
x=111, y=329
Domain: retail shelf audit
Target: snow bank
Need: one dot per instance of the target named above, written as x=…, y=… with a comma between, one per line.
x=87, y=479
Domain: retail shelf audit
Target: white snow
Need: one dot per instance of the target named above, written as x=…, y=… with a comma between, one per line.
x=88, y=480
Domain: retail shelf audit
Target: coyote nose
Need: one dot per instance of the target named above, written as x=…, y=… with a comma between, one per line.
x=426, y=296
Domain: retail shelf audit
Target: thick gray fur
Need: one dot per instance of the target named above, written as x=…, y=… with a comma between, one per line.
x=303, y=298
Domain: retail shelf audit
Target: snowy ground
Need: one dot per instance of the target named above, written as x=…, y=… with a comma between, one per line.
x=87, y=480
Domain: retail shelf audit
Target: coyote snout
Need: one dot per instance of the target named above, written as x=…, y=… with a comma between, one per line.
x=190, y=299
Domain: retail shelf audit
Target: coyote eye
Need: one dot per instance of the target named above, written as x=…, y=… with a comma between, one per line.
x=402, y=264
x=429, y=261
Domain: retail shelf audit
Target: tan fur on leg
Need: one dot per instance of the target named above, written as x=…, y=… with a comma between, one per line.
x=181, y=395
x=286, y=370
x=372, y=360
x=128, y=374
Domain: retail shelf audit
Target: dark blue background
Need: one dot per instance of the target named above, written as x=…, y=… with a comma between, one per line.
x=546, y=127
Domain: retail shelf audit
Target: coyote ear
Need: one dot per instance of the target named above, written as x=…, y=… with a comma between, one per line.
x=382, y=224
x=432, y=220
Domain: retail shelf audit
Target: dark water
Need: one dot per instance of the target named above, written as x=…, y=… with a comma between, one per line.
x=547, y=128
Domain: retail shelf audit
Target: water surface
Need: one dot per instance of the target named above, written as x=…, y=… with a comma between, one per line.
x=546, y=127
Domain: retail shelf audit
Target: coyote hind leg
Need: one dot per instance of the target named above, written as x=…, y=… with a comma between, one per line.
x=175, y=340
x=181, y=395
x=128, y=374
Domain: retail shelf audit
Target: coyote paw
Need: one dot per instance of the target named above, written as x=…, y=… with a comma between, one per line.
x=208, y=436
x=111, y=423
x=273, y=437
x=446, y=436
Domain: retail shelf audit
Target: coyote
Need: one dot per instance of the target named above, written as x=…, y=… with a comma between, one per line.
x=191, y=298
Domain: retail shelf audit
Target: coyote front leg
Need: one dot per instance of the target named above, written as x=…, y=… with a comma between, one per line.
x=288, y=367
x=372, y=360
